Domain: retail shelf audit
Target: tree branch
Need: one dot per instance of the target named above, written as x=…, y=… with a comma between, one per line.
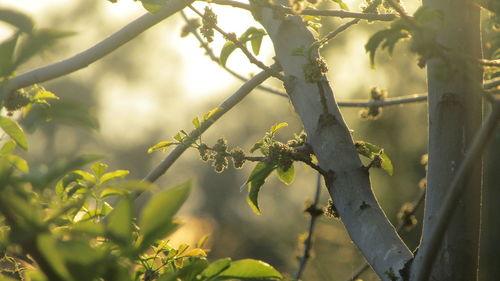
x=225, y=106
x=490, y=84
x=326, y=13
x=312, y=210
x=98, y=51
x=346, y=179
x=399, y=229
x=430, y=249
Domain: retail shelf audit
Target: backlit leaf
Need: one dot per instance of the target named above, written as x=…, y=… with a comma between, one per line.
x=250, y=269
x=160, y=211
x=255, y=182
x=287, y=176
x=14, y=131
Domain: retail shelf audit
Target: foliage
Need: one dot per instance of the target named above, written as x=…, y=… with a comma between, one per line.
x=64, y=222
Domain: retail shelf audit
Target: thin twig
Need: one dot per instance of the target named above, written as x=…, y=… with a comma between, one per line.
x=399, y=229
x=308, y=242
x=430, y=249
x=242, y=47
x=216, y=59
x=371, y=8
x=98, y=51
x=386, y=102
x=326, y=13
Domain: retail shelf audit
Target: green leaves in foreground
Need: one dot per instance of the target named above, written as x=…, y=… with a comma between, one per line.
x=11, y=128
x=156, y=220
x=252, y=34
x=376, y=154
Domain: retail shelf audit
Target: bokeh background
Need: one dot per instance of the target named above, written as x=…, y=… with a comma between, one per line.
x=151, y=88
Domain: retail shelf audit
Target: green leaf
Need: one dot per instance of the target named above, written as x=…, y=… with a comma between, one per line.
x=84, y=261
x=119, y=225
x=255, y=181
x=99, y=169
x=211, y=113
x=250, y=269
x=48, y=248
x=254, y=35
x=216, y=268
x=178, y=137
x=114, y=175
x=387, y=164
x=226, y=50
x=196, y=122
x=44, y=94
x=163, y=145
x=18, y=162
x=12, y=129
x=17, y=19
x=371, y=151
x=287, y=176
x=278, y=126
x=7, y=147
x=160, y=211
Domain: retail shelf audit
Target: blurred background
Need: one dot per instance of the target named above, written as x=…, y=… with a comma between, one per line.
x=151, y=88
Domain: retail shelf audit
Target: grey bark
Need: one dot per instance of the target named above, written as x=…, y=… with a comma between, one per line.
x=454, y=107
x=347, y=181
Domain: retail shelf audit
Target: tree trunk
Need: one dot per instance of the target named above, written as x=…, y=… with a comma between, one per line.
x=347, y=181
x=454, y=107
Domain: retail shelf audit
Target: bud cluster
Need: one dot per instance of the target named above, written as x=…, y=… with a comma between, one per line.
x=209, y=22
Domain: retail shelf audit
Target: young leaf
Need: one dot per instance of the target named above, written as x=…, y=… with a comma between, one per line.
x=197, y=252
x=211, y=113
x=44, y=94
x=119, y=225
x=255, y=181
x=287, y=176
x=160, y=211
x=114, y=175
x=250, y=269
x=196, y=122
x=227, y=49
x=276, y=127
x=99, y=169
x=162, y=144
x=7, y=147
x=370, y=151
x=12, y=129
x=18, y=162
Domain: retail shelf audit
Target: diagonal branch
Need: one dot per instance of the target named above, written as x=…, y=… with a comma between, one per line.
x=430, y=249
x=98, y=51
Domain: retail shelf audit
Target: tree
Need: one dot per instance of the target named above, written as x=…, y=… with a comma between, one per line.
x=445, y=37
